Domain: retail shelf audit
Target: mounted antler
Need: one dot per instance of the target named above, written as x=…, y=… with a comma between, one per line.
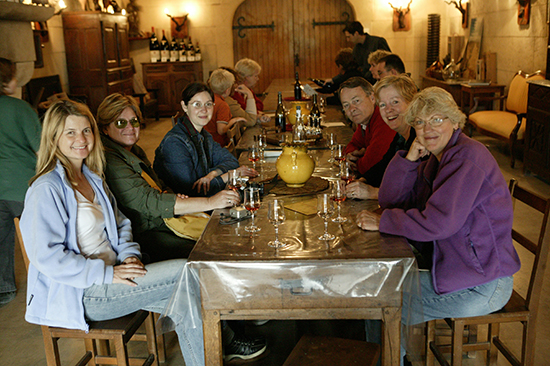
x=457, y=5
x=401, y=14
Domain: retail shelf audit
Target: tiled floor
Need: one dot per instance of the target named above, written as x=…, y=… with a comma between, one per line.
x=21, y=343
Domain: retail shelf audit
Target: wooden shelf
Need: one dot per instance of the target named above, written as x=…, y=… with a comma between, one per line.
x=138, y=38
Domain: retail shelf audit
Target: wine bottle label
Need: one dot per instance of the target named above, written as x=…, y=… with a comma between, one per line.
x=155, y=55
x=198, y=57
x=164, y=55
x=190, y=57
x=174, y=56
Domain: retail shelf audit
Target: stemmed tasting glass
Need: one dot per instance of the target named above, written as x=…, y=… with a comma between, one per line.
x=276, y=216
x=254, y=155
x=262, y=143
x=325, y=210
x=338, y=196
x=331, y=142
x=346, y=172
x=234, y=181
x=252, y=204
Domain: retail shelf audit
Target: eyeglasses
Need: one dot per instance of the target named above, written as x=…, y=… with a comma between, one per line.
x=434, y=122
x=354, y=102
x=199, y=105
x=122, y=123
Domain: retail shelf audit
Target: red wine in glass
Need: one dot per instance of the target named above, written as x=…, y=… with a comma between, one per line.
x=252, y=206
x=339, y=158
x=253, y=159
x=338, y=198
x=347, y=178
x=235, y=187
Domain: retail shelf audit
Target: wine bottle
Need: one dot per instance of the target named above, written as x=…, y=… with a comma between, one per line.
x=183, y=51
x=164, y=52
x=297, y=88
x=319, y=82
x=190, y=51
x=198, y=55
x=315, y=112
x=154, y=47
x=299, y=130
x=280, y=120
x=174, y=50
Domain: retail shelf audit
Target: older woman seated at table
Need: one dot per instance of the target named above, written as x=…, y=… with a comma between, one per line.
x=141, y=195
x=455, y=206
x=249, y=71
x=393, y=95
x=188, y=159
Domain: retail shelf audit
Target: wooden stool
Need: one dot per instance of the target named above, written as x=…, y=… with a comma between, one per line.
x=329, y=351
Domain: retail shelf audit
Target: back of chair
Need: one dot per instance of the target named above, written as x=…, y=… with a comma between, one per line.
x=19, y=240
x=540, y=249
x=175, y=118
x=519, y=91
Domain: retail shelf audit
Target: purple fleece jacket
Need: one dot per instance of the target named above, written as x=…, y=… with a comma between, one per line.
x=461, y=204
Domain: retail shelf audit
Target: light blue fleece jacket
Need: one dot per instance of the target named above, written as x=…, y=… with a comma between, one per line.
x=58, y=273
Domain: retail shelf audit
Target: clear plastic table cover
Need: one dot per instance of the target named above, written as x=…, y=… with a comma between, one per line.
x=231, y=269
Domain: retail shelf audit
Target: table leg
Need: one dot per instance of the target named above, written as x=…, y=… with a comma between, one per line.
x=391, y=339
x=212, y=338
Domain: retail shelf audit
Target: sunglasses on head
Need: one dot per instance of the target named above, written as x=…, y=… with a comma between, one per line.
x=122, y=123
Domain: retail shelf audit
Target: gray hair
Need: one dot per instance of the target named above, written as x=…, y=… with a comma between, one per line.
x=434, y=100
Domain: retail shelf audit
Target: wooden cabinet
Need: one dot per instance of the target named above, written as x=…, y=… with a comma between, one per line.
x=537, y=131
x=170, y=78
x=98, y=55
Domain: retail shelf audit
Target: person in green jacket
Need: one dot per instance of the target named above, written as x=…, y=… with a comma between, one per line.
x=19, y=140
x=141, y=195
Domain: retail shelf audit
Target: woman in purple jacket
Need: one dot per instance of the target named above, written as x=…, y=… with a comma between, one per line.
x=454, y=208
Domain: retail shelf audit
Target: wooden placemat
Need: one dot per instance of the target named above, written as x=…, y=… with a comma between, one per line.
x=313, y=185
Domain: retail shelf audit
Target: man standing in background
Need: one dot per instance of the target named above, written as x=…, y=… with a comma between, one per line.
x=364, y=45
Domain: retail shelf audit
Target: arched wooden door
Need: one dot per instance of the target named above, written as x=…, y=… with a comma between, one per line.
x=294, y=35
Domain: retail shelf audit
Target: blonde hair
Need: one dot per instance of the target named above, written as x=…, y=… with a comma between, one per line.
x=247, y=67
x=112, y=107
x=221, y=80
x=53, y=126
x=402, y=83
x=434, y=100
x=375, y=57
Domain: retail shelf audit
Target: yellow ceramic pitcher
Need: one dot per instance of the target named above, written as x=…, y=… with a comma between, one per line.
x=294, y=165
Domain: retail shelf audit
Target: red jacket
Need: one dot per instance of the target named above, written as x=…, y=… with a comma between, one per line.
x=221, y=114
x=376, y=138
x=242, y=101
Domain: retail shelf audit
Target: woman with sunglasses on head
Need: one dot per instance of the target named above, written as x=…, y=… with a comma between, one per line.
x=188, y=159
x=140, y=194
x=456, y=205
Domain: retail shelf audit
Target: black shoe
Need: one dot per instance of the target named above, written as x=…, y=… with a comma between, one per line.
x=245, y=348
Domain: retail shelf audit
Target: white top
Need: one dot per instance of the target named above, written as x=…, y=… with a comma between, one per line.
x=90, y=231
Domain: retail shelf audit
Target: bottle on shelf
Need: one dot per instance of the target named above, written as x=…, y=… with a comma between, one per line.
x=280, y=119
x=315, y=112
x=154, y=47
x=174, y=50
x=183, y=51
x=190, y=51
x=297, y=88
x=198, y=55
x=164, y=52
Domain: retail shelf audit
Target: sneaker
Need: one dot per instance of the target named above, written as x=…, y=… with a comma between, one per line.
x=245, y=348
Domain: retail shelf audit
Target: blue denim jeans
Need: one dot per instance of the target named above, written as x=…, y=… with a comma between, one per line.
x=153, y=292
x=8, y=211
x=480, y=300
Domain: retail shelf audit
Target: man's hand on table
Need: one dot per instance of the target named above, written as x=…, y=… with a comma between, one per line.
x=361, y=190
x=353, y=156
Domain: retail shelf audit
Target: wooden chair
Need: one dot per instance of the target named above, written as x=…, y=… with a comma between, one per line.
x=508, y=125
x=119, y=331
x=175, y=118
x=518, y=308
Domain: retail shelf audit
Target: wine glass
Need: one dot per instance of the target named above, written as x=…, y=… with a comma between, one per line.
x=338, y=196
x=276, y=216
x=261, y=140
x=252, y=204
x=339, y=155
x=234, y=181
x=331, y=142
x=346, y=172
x=254, y=155
x=325, y=210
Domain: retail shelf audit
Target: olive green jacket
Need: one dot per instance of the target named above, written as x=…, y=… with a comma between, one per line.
x=144, y=205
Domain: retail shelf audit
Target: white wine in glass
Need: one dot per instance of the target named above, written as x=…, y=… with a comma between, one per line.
x=325, y=210
x=276, y=216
